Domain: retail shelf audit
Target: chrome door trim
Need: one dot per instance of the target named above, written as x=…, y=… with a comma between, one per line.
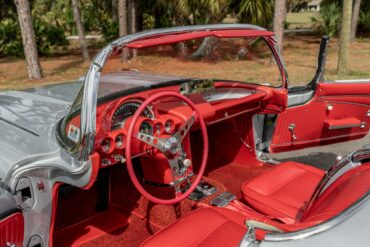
x=325, y=226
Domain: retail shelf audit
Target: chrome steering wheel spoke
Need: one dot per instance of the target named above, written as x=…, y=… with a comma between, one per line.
x=184, y=129
x=158, y=143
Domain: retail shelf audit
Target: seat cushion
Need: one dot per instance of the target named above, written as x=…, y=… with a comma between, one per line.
x=202, y=227
x=284, y=191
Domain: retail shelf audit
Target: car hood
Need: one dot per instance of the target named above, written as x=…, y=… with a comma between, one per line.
x=28, y=119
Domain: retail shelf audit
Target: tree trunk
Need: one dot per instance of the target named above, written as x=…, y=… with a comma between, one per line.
x=122, y=20
x=28, y=39
x=80, y=30
x=206, y=49
x=355, y=15
x=279, y=20
x=114, y=9
x=344, y=37
x=132, y=20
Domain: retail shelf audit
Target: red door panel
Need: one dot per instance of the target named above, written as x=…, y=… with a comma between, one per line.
x=337, y=113
x=12, y=230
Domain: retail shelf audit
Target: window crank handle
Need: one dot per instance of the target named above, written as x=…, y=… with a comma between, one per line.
x=291, y=128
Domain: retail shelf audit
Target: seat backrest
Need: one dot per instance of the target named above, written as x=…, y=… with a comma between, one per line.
x=346, y=190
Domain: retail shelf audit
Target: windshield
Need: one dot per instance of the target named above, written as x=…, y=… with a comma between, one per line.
x=247, y=60
x=142, y=66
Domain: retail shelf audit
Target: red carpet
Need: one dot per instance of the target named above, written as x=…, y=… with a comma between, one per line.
x=135, y=233
x=233, y=175
x=100, y=224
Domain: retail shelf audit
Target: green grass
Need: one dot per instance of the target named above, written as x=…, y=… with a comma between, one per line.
x=300, y=20
x=295, y=20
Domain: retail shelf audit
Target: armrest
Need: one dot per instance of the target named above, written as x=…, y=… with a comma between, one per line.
x=344, y=123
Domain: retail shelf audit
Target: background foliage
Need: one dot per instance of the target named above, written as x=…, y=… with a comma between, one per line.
x=53, y=19
x=330, y=17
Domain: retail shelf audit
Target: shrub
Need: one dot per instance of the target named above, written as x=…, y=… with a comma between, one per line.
x=47, y=36
x=364, y=22
x=110, y=30
x=364, y=19
x=10, y=38
x=328, y=21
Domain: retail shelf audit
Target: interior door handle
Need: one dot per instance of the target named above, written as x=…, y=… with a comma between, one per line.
x=291, y=128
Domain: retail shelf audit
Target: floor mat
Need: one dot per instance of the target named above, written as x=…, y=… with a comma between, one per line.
x=103, y=223
x=124, y=195
x=233, y=175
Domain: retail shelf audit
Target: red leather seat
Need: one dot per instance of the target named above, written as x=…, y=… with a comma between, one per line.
x=225, y=228
x=346, y=190
x=203, y=227
x=284, y=191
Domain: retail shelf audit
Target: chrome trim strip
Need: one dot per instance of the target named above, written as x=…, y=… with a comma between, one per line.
x=344, y=126
x=234, y=115
x=19, y=127
x=323, y=99
x=363, y=133
x=349, y=81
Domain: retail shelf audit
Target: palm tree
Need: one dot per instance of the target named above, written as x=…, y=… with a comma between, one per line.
x=132, y=14
x=258, y=12
x=344, y=37
x=29, y=40
x=209, y=11
x=279, y=20
x=200, y=11
x=355, y=16
x=80, y=30
x=122, y=20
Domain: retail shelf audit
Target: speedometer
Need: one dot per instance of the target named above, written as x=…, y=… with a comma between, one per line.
x=126, y=110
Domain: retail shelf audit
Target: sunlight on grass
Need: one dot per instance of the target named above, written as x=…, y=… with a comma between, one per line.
x=300, y=20
x=300, y=55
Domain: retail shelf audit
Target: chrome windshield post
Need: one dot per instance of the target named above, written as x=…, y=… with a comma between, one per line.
x=84, y=147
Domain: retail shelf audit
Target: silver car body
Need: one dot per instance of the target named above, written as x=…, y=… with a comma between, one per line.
x=30, y=150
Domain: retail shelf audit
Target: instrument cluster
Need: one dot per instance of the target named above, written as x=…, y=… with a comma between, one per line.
x=151, y=123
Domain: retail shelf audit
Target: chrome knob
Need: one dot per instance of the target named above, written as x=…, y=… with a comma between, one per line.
x=329, y=107
x=187, y=163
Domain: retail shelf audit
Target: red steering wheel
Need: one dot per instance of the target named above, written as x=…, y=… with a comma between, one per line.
x=171, y=147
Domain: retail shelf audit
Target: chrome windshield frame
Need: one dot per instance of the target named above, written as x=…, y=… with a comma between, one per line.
x=85, y=145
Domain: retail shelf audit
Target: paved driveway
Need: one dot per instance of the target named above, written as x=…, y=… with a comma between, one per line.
x=324, y=156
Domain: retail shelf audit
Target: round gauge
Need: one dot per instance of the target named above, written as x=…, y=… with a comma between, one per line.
x=158, y=128
x=169, y=126
x=146, y=128
x=106, y=145
x=126, y=110
x=120, y=140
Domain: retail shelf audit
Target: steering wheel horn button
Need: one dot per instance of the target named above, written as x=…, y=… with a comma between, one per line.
x=171, y=145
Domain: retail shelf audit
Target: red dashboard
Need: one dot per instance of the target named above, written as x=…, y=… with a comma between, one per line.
x=164, y=117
